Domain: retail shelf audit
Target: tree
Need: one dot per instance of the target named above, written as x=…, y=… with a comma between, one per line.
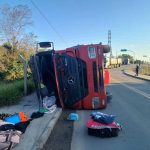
x=137, y=61
x=3, y=55
x=13, y=23
x=28, y=42
x=10, y=66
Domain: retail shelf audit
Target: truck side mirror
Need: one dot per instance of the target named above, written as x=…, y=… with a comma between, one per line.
x=106, y=49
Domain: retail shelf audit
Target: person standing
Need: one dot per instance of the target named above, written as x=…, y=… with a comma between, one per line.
x=137, y=70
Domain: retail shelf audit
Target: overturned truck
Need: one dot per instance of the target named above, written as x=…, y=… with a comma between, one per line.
x=75, y=76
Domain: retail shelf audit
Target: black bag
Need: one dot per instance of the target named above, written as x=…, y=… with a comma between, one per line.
x=106, y=132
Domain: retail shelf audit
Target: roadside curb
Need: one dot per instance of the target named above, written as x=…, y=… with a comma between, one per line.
x=43, y=138
x=136, y=76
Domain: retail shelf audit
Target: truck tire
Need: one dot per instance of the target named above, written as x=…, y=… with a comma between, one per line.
x=109, y=96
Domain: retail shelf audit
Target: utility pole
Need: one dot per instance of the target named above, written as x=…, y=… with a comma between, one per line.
x=109, y=41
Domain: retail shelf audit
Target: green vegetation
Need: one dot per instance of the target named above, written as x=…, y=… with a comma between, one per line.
x=145, y=69
x=11, y=92
x=13, y=24
x=11, y=75
x=10, y=66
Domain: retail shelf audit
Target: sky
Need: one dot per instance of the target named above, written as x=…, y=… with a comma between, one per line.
x=73, y=22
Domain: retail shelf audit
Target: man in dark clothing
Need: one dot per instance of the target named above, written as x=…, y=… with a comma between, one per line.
x=137, y=70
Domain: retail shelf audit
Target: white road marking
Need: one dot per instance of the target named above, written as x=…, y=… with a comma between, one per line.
x=133, y=89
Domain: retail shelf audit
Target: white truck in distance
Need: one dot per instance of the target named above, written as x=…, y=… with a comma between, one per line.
x=112, y=62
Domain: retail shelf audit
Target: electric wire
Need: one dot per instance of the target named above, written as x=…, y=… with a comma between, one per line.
x=48, y=22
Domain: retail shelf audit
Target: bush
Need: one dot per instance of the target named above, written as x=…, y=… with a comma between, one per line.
x=11, y=92
x=145, y=69
x=11, y=67
x=30, y=86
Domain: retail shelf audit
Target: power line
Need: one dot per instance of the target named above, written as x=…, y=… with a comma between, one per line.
x=48, y=22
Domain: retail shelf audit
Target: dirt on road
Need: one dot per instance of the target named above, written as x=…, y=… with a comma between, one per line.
x=61, y=136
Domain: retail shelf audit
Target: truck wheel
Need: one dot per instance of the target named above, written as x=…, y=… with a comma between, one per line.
x=109, y=96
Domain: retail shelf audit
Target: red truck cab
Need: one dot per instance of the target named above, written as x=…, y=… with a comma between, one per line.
x=75, y=75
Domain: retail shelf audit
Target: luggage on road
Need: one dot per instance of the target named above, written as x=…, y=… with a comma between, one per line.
x=102, y=118
x=102, y=125
x=9, y=139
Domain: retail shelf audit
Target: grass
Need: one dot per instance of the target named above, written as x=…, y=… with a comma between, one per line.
x=11, y=92
x=145, y=69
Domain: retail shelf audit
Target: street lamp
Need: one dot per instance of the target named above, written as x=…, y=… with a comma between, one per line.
x=124, y=50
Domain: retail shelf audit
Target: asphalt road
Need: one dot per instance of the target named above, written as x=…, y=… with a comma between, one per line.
x=131, y=105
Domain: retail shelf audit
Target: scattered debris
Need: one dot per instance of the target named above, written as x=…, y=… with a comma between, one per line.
x=20, y=117
x=102, y=118
x=103, y=125
x=37, y=115
x=73, y=117
x=4, y=115
x=49, y=101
